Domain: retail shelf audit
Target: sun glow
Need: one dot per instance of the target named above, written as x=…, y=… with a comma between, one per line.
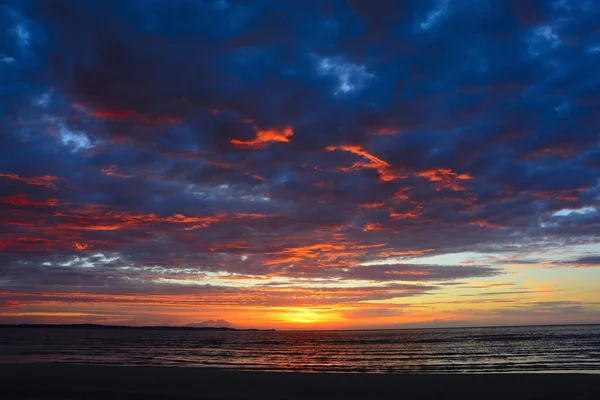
x=310, y=316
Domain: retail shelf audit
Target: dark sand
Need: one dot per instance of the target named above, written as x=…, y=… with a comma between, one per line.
x=63, y=381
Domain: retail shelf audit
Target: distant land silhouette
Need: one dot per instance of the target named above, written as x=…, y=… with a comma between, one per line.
x=126, y=327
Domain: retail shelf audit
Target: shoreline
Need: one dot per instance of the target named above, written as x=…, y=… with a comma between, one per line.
x=69, y=381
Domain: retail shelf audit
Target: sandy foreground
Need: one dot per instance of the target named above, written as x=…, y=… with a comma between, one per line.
x=66, y=381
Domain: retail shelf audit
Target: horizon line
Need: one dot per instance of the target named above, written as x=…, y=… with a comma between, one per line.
x=227, y=328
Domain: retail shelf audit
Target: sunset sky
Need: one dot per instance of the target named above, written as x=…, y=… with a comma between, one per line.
x=300, y=164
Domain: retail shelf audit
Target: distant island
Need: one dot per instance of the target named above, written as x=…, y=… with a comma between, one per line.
x=126, y=327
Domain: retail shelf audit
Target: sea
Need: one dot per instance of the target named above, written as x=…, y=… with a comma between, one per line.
x=527, y=349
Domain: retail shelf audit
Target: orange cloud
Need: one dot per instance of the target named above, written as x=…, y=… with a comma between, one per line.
x=224, y=247
x=96, y=220
x=409, y=214
x=300, y=253
x=372, y=205
x=372, y=226
x=257, y=177
x=64, y=223
x=386, y=174
x=400, y=195
x=405, y=253
x=265, y=136
x=80, y=246
x=358, y=150
x=47, y=181
x=329, y=254
x=445, y=177
x=113, y=170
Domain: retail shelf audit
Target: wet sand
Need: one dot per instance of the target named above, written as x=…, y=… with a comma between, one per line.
x=67, y=381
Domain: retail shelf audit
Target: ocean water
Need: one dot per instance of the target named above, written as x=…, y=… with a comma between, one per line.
x=474, y=350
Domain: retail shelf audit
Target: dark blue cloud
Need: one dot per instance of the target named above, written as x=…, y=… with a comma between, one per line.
x=455, y=126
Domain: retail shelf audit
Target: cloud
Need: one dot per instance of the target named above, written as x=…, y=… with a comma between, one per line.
x=47, y=181
x=240, y=153
x=265, y=136
x=113, y=170
x=446, y=178
x=350, y=76
x=415, y=272
x=382, y=167
x=583, y=262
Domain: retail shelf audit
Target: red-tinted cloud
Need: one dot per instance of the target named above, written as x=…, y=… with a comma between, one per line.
x=386, y=131
x=372, y=205
x=80, y=246
x=263, y=137
x=445, y=177
x=485, y=224
x=386, y=173
x=372, y=226
x=113, y=170
x=23, y=200
x=570, y=195
x=407, y=214
x=128, y=114
x=47, y=181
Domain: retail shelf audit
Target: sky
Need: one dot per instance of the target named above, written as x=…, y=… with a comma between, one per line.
x=300, y=164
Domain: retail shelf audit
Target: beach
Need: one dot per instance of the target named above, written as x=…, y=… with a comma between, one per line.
x=69, y=381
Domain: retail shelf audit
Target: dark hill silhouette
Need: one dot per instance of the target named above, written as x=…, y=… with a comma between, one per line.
x=126, y=327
